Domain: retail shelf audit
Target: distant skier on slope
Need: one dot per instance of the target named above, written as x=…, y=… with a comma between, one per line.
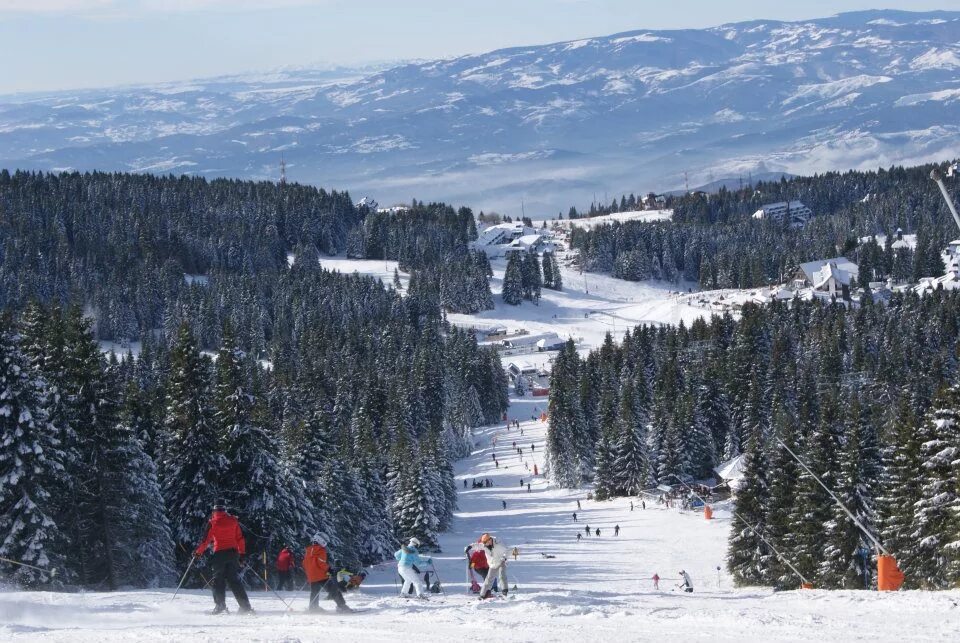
x=496, y=554
x=687, y=584
x=407, y=556
x=317, y=568
x=616, y=530
x=228, y=548
x=656, y=580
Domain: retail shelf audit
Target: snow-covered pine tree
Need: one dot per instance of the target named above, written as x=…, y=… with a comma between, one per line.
x=813, y=507
x=309, y=464
x=842, y=566
x=260, y=490
x=748, y=558
x=630, y=465
x=32, y=475
x=567, y=423
x=133, y=511
x=513, y=279
x=936, y=520
x=532, y=278
x=604, y=478
x=900, y=489
x=190, y=472
x=783, y=476
x=548, y=270
x=412, y=514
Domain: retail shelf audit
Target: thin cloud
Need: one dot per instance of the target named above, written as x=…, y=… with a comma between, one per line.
x=54, y=7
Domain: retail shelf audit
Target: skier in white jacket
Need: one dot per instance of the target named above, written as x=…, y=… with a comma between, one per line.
x=497, y=554
x=687, y=584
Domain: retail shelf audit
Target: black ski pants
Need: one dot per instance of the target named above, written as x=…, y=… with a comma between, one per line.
x=284, y=581
x=332, y=589
x=226, y=571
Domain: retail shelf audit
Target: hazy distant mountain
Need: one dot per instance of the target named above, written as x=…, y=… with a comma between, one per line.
x=552, y=125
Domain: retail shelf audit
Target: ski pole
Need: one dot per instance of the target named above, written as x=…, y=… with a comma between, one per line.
x=439, y=582
x=52, y=572
x=192, y=560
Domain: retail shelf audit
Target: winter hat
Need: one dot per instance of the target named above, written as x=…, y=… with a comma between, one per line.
x=413, y=543
x=220, y=505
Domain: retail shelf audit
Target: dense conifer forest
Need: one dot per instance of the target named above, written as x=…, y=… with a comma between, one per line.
x=313, y=402
x=714, y=242
x=866, y=395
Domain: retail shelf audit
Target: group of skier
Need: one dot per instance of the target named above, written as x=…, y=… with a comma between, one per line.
x=486, y=561
x=229, y=548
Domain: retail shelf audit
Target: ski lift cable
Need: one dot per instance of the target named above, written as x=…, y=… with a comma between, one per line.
x=856, y=521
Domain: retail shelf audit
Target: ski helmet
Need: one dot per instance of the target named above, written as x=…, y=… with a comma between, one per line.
x=318, y=539
x=414, y=542
x=220, y=505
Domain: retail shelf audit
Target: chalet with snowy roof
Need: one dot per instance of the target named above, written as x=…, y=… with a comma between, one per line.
x=793, y=211
x=498, y=240
x=831, y=276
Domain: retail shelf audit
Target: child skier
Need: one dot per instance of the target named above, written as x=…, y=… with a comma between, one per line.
x=228, y=548
x=496, y=554
x=656, y=580
x=284, y=567
x=317, y=569
x=407, y=556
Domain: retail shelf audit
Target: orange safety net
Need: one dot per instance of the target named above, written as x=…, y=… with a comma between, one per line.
x=806, y=585
x=889, y=576
x=707, y=512
x=543, y=417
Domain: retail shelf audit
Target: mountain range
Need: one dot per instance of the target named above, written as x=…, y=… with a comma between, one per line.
x=546, y=126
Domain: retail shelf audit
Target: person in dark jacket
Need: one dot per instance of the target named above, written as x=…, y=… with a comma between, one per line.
x=228, y=548
x=285, y=564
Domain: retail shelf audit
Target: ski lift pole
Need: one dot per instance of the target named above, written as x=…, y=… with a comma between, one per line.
x=936, y=176
x=766, y=542
x=856, y=521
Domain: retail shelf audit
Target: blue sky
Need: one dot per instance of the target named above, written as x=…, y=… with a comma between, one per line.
x=61, y=44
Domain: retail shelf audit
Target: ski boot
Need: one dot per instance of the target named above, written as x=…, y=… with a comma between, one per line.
x=219, y=609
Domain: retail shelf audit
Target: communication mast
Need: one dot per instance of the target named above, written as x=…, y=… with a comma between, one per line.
x=283, y=171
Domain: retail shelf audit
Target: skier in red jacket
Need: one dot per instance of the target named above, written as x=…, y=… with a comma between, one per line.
x=285, y=565
x=228, y=546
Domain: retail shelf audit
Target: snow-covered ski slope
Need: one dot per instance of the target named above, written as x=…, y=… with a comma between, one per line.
x=595, y=590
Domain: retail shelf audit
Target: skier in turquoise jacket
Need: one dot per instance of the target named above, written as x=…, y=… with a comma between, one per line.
x=407, y=556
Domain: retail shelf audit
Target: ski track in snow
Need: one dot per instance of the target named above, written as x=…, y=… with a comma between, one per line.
x=593, y=591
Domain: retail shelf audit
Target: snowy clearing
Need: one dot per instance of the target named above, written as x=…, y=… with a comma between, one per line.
x=589, y=306
x=616, y=217
x=596, y=590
